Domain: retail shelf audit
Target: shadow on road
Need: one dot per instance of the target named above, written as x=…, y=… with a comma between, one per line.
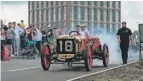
x=75, y=69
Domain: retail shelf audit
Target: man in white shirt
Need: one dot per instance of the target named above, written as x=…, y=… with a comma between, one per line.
x=16, y=41
x=84, y=32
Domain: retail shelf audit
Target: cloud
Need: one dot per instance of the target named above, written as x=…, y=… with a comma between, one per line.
x=14, y=12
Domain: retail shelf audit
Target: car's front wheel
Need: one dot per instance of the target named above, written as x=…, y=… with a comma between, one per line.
x=46, y=57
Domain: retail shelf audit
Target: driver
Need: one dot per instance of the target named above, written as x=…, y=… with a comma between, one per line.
x=78, y=29
x=84, y=32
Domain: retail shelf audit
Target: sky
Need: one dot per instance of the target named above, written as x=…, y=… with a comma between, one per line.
x=16, y=10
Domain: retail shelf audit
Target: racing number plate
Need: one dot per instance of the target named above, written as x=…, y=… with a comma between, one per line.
x=66, y=46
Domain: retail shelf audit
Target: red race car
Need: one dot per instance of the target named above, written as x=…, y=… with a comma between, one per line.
x=71, y=49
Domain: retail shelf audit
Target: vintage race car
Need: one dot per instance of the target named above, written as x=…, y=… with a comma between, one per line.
x=71, y=49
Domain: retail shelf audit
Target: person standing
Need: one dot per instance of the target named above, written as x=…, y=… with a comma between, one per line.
x=10, y=35
x=22, y=25
x=18, y=31
x=37, y=36
x=124, y=37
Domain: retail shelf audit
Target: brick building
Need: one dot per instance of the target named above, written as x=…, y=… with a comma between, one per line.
x=95, y=14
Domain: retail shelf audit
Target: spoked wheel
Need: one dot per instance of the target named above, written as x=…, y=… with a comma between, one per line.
x=105, y=55
x=88, y=58
x=46, y=57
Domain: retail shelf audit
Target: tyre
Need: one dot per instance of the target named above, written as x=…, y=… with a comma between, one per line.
x=46, y=57
x=105, y=55
x=88, y=58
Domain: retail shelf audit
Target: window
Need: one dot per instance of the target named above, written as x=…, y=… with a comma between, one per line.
x=86, y=13
x=89, y=3
x=98, y=25
x=54, y=14
x=59, y=13
x=92, y=27
x=99, y=3
x=117, y=16
x=117, y=4
x=59, y=3
x=54, y=4
x=105, y=15
x=42, y=4
x=52, y=11
x=102, y=26
x=64, y=2
x=64, y=13
x=79, y=22
x=37, y=14
x=79, y=2
x=72, y=2
x=111, y=15
x=105, y=27
x=99, y=15
x=111, y=28
x=117, y=27
x=49, y=3
x=105, y=4
x=86, y=3
x=72, y=25
x=33, y=17
x=92, y=3
x=92, y=14
x=95, y=3
x=111, y=4
x=37, y=4
x=42, y=15
x=75, y=11
x=86, y=24
x=29, y=5
x=64, y=24
x=79, y=13
x=49, y=15
x=72, y=12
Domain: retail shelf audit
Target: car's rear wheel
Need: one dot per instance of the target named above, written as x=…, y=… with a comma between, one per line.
x=105, y=55
x=46, y=57
x=88, y=58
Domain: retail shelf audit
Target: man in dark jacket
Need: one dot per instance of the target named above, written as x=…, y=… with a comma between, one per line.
x=124, y=37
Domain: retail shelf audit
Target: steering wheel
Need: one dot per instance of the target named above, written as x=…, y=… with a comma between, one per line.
x=75, y=33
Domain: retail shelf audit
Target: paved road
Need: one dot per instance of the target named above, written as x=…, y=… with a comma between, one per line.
x=30, y=70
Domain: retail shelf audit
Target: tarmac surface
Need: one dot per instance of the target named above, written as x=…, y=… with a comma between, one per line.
x=30, y=70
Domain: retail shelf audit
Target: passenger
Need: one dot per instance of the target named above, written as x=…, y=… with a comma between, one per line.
x=84, y=32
